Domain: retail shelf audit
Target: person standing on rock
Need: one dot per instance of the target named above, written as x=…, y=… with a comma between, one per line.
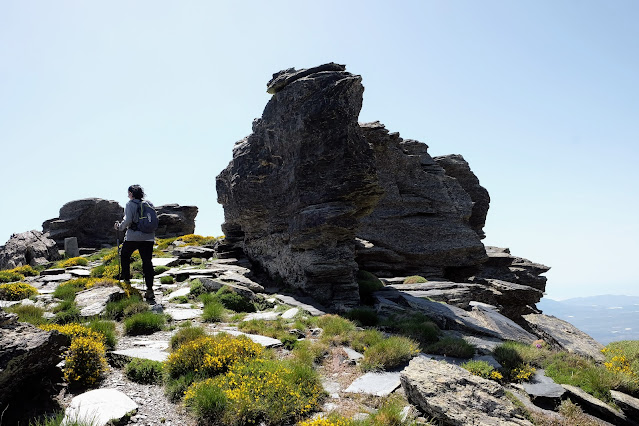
x=135, y=239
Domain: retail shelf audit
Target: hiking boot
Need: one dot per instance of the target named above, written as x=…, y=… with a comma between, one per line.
x=149, y=295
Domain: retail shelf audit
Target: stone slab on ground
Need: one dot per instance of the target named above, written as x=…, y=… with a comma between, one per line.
x=264, y=316
x=165, y=261
x=290, y=314
x=181, y=314
x=543, y=390
x=306, y=303
x=628, y=404
x=98, y=407
x=184, y=291
x=57, y=277
x=267, y=342
x=79, y=272
x=594, y=406
x=353, y=355
x=378, y=384
x=150, y=353
x=94, y=300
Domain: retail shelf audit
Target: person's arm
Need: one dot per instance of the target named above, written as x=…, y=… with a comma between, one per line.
x=129, y=211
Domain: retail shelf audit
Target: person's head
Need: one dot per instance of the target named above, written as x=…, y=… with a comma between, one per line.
x=136, y=191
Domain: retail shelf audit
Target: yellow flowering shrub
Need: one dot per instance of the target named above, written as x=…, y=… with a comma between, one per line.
x=209, y=356
x=523, y=373
x=261, y=390
x=10, y=276
x=482, y=369
x=72, y=261
x=90, y=282
x=25, y=270
x=619, y=364
x=74, y=330
x=17, y=291
x=85, y=362
x=321, y=421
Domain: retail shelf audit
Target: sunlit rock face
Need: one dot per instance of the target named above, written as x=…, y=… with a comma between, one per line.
x=298, y=186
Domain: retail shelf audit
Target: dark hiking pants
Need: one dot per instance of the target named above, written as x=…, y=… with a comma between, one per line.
x=145, y=248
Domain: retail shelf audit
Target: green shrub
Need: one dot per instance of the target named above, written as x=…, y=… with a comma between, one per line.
x=209, y=356
x=144, y=323
x=106, y=329
x=234, y=301
x=85, y=362
x=176, y=386
x=144, y=371
x=482, y=369
x=166, y=280
x=135, y=308
x=309, y=352
x=389, y=353
x=17, y=291
x=415, y=279
x=115, y=310
x=66, y=312
x=185, y=335
x=368, y=284
x=418, y=327
x=197, y=288
x=160, y=269
x=68, y=290
x=362, y=340
x=335, y=329
x=28, y=313
x=72, y=261
x=213, y=311
x=364, y=316
x=207, y=298
x=452, y=346
x=10, y=276
x=271, y=391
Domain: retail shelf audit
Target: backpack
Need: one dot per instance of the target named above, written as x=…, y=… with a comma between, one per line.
x=147, y=218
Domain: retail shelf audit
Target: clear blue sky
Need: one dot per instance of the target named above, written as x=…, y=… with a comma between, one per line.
x=541, y=98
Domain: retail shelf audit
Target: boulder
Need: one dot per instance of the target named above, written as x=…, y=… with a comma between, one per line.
x=501, y=265
x=90, y=220
x=563, y=335
x=543, y=390
x=100, y=407
x=26, y=352
x=421, y=223
x=455, y=166
x=28, y=248
x=175, y=220
x=453, y=396
x=93, y=301
x=298, y=185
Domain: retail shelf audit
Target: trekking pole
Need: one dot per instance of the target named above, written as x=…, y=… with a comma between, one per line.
x=117, y=236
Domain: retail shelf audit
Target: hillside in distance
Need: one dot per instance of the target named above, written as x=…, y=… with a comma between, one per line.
x=607, y=318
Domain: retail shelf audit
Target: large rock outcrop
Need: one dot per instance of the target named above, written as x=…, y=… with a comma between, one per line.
x=421, y=224
x=299, y=184
x=454, y=396
x=175, y=220
x=26, y=352
x=28, y=248
x=90, y=220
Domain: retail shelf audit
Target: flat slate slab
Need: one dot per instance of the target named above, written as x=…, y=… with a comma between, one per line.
x=180, y=314
x=265, y=316
x=543, y=390
x=594, y=406
x=353, y=355
x=94, y=300
x=184, y=291
x=98, y=407
x=152, y=354
x=290, y=314
x=79, y=272
x=267, y=342
x=165, y=261
x=57, y=277
x=379, y=384
x=306, y=303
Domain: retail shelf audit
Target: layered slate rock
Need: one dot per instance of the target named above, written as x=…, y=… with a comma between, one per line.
x=26, y=353
x=422, y=223
x=175, y=220
x=503, y=266
x=28, y=248
x=453, y=396
x=564, y=336
x=90, y=220
x=455, y=166
x=299, y=184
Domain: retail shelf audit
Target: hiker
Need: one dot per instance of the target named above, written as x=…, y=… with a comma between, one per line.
x=136, y=239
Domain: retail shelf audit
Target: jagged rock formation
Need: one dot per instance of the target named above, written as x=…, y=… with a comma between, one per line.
x=175, y=220
x=299, y=184
x=26, y=352
x=90, y=220
x=28, y=248
x=421, y=224
x=455, y=397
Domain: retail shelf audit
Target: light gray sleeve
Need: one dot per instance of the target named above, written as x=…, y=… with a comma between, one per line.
x=129, y=212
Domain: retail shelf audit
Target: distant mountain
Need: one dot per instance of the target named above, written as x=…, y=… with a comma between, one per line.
x=607, y=318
